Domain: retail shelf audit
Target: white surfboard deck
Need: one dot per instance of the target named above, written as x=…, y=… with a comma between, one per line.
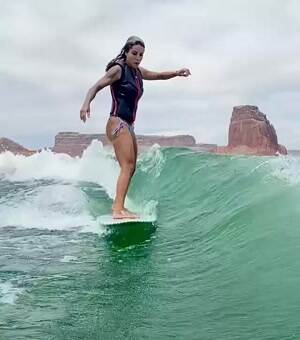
x=109, y=220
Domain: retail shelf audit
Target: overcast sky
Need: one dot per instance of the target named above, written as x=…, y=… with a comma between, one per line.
x=239, y=52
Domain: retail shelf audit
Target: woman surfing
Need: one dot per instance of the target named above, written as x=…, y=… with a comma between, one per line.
x=125, y=77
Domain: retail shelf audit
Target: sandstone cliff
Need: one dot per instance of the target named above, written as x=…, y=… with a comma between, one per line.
x=74, y=143
x=250, y=132
x=9, y=145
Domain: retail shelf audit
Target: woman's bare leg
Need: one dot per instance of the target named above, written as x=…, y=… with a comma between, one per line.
x=126, y=155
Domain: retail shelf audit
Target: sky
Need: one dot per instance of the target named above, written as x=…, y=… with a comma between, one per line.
x=239, y=52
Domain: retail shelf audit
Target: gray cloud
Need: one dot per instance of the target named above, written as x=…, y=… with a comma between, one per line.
x=239, y=53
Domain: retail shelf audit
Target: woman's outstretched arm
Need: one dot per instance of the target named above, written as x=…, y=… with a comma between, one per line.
x=151, y=75
x=112, y=75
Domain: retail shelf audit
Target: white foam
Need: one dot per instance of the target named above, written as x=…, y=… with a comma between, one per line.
x=62, y=205
x=152, y=161
x=68, y=258
x=59, y=207
x=56, y=206
x=286, y=168
x=96, y=165
x=9, y=293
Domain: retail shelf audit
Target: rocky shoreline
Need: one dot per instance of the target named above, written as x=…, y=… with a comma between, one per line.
x=250, y=133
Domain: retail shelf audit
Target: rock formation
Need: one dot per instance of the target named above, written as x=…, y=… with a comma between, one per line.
x=74, y=143
x=250, y=132
x=17, y=149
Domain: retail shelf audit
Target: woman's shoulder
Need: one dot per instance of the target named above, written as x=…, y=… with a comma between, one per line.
x=116, y=65
x=120, y=62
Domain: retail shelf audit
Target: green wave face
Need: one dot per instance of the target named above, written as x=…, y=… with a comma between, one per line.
x=220, y=262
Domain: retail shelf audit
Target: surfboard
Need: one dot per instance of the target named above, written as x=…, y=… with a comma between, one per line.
x=108, y=220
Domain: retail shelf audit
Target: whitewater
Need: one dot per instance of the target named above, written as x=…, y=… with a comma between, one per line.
x=220, y=262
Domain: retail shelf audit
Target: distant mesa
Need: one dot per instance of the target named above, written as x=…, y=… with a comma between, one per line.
x=251, y=133
x=17, y=149
x=74, y=143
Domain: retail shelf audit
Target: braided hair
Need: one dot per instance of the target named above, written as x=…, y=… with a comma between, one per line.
x=131, y=41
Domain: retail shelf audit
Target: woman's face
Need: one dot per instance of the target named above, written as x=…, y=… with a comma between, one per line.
x=135, y=55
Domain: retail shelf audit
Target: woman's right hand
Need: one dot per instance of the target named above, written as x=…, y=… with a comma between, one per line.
x=85, y=112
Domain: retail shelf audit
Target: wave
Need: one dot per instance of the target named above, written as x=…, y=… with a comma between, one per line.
x=56, y=191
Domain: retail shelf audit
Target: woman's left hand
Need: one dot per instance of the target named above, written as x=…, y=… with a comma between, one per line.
x=184, y=72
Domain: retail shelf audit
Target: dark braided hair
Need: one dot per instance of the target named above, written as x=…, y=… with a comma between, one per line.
x=131, y=41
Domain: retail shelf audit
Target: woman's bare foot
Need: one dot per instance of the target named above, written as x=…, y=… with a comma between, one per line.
x=123, y=213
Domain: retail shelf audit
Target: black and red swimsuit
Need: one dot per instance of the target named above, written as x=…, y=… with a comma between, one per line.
x=126, y=93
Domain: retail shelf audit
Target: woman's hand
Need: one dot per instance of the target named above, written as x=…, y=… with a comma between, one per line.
x=184, y=72
x=85, y=112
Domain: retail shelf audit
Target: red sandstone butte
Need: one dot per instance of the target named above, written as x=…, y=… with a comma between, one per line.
x=251, y=133
x=17, y=149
